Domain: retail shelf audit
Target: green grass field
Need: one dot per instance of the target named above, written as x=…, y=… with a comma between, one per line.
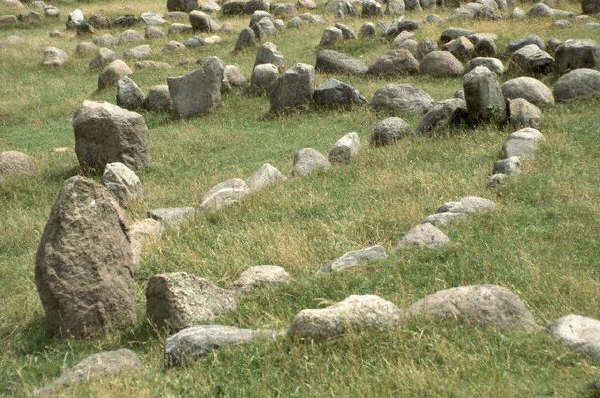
x=541, y=241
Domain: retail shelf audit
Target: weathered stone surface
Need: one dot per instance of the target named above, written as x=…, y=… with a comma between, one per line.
x=178, y=300
x=368, y=29
x=172, y=216
x=331, y=36
x=265, y=177
x=528, y=88
x=394, y=62
x=225, y=194
x=307, y=161
x=158, y=99
x=106, y=133
x=105, y=40
x=371, y=8
x=284, y=10
x=112, y=73
x=122, y=182
x=173, y=46
x=441, y=115
x=130, y=36
x=522, y=143
x=578, y=83
x=263, y=77
x=441, y=64
x=394, y=7
x=152, y=18
x=441, y=219
x=151, y=65
x=54, y=56
x=461, y=48
x=197, y=341
x=30, y=17
x=390, y=130
x=485, y=48
x=252, y=6
x=329, y=61
x=346, y=31
x=99, y=21
x=516, y=44
x=531, y=59
x=401, y=98
x=153, y=32
x=293, y=89
x=345, y=148
x=425, y=46
x=483, y=95
x=182, y=5
x=179, y=28
x=264, y=27
x=424, y=235
x=355, y=258
x=523, y=113
x=575, y=54
x=104, y=57
x=454, y=33
x=310, y=4
x=125, y=21
x=129, y=95
x=579, y=333
x=84, y=263
x=493, y=64
x=85, y=48
x=246, y=38
x=143, y=233
x=261, y=275
x=232, y=77
x=508, y=166
x=540, y=10
x=354, y=313
x=269, y=54
x=93, y=367
x=203, y=22
x=8, y=20
x=482, y=305
x=198, y=92
x=496, y=179
x=333, y=93
x=14, y=164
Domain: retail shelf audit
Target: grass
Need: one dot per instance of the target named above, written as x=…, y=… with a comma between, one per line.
x=541, y=242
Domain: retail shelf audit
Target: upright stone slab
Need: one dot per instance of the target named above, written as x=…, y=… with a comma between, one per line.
x=483, y=95
x=199, y=92
x=106, y=133
x=293, y=89
x=84, y=263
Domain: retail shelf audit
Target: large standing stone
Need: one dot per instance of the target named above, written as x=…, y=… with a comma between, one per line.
x=579, y=333
x=263, y=77
x=225, y=194
x=14, y=164
x=129, y=95
x=390, y=130
x=483, y=95
x=246, y=38
x=578, y=83
x=355, y=258
x=441, y=64
x=265, y=177
x=178, y=300
x=483, y=305
x=442, y=114
x=575, y=54
x=329, y=61
x=528, y=88
x=308, y=160
x=112, y=73
x=401, y=98
x=197, y=341
x=523, y=113
x=268, y=54
x=345, y=148
x=522, y=143
x=93, y=367
x=198, y=92
x=424, y=235
x=122, y=182
x=84, y=263
x=531, y=59
x=334, y=93
x=394, y=62
x=354, y=313
x=295, y=88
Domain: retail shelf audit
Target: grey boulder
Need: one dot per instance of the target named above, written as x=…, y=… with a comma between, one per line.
x=345, y=148
x=355, y=258
x=122, y=182
x=401, y=98
x=308, y=160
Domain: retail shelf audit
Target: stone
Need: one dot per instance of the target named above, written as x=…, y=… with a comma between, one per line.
x=125, y=21
x=129, y=95
x=232, y=77
x=293, y=89
x=394, y=7
x=454, y=33
x=203, y=22
x=540, y=10
x=441, y=219
x=182, y=5
x=333, y=93
x=30, y=17
x=467, y=205
x=424, y=235
x=246, y=39
x=482, y=305
x=233, y=8
x=576, y=54
x=284, y=10
x=412, y=5
x=143, y=233
x=393, y=63
x=310, y=4
x=94, y=367
x=295, y=23
x=153, y=32
x=99, y=21
x=425, y=46
x=496, y=180
x=130, y=36
x=15, y=164
x=461, y=48
x=263, y=77
x=104, y=57
x=138, y=52
x=483, y=95
x=353, y=314
x=152, y=19
x=561, y=23
x=112, y=73
x=214, y=39
x=528, y=88
x=173, y=46
x=85, y=48
x=151, y=65
x=85, y=29
x=308, y=160
x=331, y=36
x=517, y=44
x=523, y=113
x=122, y=182
x=172, y=217
x=523, y=143
x=368, y=29
x=433, y=19
x=344, y=149
x=579, y=333
x=390, y=130
x=508, y=166
x=225, y=194
x=493, y=64
x=441, y=64
x=347, y=32
x=194, y=42
x=341, y=8
x=266, y=176
x=532, y=60
x=485, y=48
x=401, y=98
x=371, y=8
x=400, y=25
x=264, y=27
x=517, y=13
x=257, y=5
x=355, y=258
x=198, y=92
x=330, y=61
x=269, y=54
x=84, y=263
x=260, y=276
x=54, y=56
x=106, y=133
x=179, y=28
x=402, y=37
x=105, y=40
x=75, y=18
x=197, y=341
x=441, y=115
x=178, y=300
x=8, y=20
x=578, y=83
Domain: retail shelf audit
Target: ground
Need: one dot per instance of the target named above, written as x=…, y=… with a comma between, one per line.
x=541, y=241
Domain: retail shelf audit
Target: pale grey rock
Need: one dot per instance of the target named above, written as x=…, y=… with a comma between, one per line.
x=203, y=22
x=54, y=56
x=523, y=143
x=441, y=219
x=516, y=44
x=158, y=99
x=85, y=48
x=347, y=32
x=368, y=29
x=523, y=113
x=333, y=93
x=355, y=258
x=330, y=61
x=331, y=36
x=483, y=95
x=112, y=73
x=172, y=217
x=151, y=65
x=394, y=7
x=578, y=83
x=293, y=89
x=142, y=234
x=441, y=115
x=198, y=92
x=105, y=40
x=540, y=10
x=265, y=177
x=390, y=130
x=508, y=166
x=152, y=18
x=138, y=52
x=496, y=179
x=467, y=205
x=454, y=33
x=15, y=164
x=528, y=88
x=441, y=64
x=122, y=182
x=425, y=46
x=371, y=8
x=263, y=77
x=461, y=48
x=232, y=77
x=579, y=333
x=424, y=235
x=531, y=59
x=130, y=36
x=246, y=38
x=129, y=95
x=180, y=28
x=493, y=64
x=153, y=32
x=307, y=161
x=284, y=10
x=576, y=54
x=173, y=46
x=225, y=194
x=401, y=98
x=104, y=57
x=344, y=149
x=260, y=276
x=394, y=63
x=269, y=54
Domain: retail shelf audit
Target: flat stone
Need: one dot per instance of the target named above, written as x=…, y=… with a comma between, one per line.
x=172, y=216
x=355, y=258
x=225, y=194
x=579, y=333
x=260, y=276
